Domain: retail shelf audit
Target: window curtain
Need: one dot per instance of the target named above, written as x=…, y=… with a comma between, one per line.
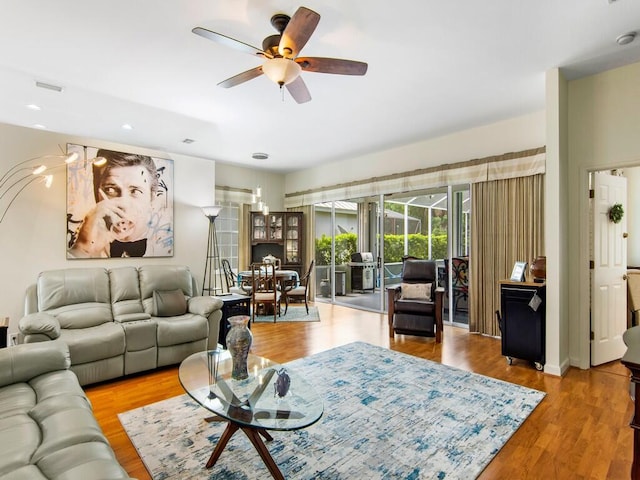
x=309, y=247
x=507, y=226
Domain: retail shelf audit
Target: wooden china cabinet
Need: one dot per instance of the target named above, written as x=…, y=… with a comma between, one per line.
x=279, y=234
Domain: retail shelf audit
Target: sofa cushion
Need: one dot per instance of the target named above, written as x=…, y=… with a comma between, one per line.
x=418, y=307
x=163, y=277
x=125, y=291
x=28, y=472
x=82, y=462
x=416, y=291
x=94, y=343
x=169, y=303
x=413, y=323
x=182, y=329
x=16, y=398
x=67, y=422
x=19, y=437
x=82, y=315
x=414, y=270
x=57, y=288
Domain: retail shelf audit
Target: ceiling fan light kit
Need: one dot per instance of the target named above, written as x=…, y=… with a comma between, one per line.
x=282, y=65
x=281, y=70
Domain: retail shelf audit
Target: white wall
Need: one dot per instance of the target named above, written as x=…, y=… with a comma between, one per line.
x=604, y=133
x=33, y=234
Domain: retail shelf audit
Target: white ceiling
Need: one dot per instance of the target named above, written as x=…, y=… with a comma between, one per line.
x=434, y=68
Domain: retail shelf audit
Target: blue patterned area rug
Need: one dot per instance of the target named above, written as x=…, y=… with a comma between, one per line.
x=294, y=314
x=387, y=415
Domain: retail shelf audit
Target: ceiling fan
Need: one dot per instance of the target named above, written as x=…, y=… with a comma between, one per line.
x=282, y=64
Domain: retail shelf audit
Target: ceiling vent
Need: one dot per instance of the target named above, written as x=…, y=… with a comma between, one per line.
x=49, y=86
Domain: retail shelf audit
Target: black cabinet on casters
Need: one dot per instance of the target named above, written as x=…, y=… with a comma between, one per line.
x=522, y=322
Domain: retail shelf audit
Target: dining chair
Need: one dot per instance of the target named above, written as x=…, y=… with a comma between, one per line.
x=460, y=269
x=244, y=288
x=265, y=290
x=300, y=291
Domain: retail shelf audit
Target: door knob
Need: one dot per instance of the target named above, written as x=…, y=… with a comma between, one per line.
x=625, y=235
x=624, y=277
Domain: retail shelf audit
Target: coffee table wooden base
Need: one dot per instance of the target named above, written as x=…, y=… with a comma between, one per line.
x=254, y=437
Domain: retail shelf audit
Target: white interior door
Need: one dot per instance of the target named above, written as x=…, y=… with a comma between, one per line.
x=608, y=282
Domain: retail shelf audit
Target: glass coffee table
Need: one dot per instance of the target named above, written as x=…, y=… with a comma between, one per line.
x=251, y=405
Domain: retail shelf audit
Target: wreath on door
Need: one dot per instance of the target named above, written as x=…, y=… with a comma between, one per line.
x=616, y=212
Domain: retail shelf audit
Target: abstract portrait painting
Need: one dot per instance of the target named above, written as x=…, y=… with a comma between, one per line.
x=119, y=204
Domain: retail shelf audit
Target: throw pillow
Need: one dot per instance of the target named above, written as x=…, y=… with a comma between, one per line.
x=416, y=291
x=169, y=303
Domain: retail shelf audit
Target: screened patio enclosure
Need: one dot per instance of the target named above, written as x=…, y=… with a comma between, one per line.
x=431, y=225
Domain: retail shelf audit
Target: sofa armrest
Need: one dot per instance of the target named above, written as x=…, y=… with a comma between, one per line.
x=23, y=362
x=392, y=294
x=204, y=305
x=40, y=323
x=439, y=326
x=211, y=309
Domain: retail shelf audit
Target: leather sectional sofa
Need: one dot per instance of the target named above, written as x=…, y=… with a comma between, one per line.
x=47, y=427
x=122, y=320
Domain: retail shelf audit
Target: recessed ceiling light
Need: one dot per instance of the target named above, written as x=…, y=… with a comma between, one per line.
x=260, y=156
x=626, y=38
x=33, y=106
x=188, y=140
x=126, y=126
x=39, y=126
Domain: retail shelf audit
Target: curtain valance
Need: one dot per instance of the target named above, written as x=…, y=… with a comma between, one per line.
x=509, y=165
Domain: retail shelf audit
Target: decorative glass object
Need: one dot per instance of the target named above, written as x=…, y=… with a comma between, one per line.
x=239, y=340
x=282, y=383
x=213, y=359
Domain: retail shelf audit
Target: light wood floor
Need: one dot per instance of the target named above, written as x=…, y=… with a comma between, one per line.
x=579, y=431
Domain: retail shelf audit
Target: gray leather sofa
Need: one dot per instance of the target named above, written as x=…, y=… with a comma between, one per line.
x=47, y=427
x=122, y=320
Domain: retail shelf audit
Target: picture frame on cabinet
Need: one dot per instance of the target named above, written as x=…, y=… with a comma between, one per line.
x=518, y=274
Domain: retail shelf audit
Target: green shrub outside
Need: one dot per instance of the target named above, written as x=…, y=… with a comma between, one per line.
x=346, y=244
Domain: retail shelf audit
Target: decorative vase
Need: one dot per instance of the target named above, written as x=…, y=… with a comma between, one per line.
x=239, y=340
x=539, y=269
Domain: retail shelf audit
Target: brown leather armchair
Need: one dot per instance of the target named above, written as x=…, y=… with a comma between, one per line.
x=415, y=306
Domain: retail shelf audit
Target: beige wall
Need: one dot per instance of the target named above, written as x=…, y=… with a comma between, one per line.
x=603, y=132
x=32, y=235
x=520, y=133
x=557, y=323
x=241, y=177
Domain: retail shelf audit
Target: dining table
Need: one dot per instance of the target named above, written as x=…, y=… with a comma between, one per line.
x=286, y=280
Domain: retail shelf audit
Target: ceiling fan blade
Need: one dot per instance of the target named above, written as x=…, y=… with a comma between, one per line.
x=299, y=91
x=297, y=33
x=241, y=77
x=230, y=42
x=332, y=65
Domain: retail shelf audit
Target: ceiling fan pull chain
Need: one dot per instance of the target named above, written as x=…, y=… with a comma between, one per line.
x=282, y=93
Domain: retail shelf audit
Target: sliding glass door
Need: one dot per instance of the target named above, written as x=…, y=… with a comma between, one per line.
x=360, y=244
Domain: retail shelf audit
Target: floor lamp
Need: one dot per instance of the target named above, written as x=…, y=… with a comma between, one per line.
x=212, y=282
